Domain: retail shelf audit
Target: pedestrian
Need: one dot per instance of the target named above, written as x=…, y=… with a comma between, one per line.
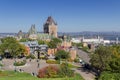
x=33, y=73
x=20, y=70
x=30, y=60
x=37, y=60
x=38, y=65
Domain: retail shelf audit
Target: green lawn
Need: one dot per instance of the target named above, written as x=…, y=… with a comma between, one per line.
x=10, y=75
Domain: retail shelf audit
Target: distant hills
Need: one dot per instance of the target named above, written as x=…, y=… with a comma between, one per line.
x=90, y=33
x=84, y=33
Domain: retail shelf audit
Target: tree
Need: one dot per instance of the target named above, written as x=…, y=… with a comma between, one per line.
x=115, y=65
x=65, y=71
x=40, y=42
x=57, y=41
x=61, y=54
x=12, y=46
x=48, y=72
x=100, y=59
x=115, y=50
x=107, y=61
x=23, y=40
x=54, y=43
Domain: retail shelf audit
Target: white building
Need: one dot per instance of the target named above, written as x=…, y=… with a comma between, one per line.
x=96, y=40
x=90, y=40
x=76, y=40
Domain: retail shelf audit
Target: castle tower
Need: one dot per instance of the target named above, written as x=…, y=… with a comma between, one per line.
x=50, y=27
x=32, y=30
x=20, y=34
x=32, y=33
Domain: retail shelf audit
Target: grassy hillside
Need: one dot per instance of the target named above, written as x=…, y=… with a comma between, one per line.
x=10, y=75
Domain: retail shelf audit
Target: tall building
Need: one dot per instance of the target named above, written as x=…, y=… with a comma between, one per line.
x=50, y=27
x=32, y=30
x=20, y=34
x=32, y=33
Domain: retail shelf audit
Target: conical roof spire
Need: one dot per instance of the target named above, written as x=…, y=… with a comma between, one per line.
x=50, y=21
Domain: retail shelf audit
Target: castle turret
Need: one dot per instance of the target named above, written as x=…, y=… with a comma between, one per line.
x=50, y=27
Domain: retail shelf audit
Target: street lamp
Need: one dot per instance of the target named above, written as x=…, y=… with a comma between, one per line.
x=14, y=64
x=38, y=56
x=0, y=61
x=38, y=64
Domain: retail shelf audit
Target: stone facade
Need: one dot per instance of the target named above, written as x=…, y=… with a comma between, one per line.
x=20, y=35
x=32, y=32
x=52, y=51
x=73, y=53
x=66, y=44
x=50, y=27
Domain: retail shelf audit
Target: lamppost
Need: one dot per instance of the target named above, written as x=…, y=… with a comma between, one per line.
x=38, y=56
x=38, y=64
x=0, y=61
x=15, y=65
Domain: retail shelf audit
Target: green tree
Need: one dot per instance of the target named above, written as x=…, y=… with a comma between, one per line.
x=41, y=42
x=115, y=65
x=107, y=60
x=65, y=71
x=57, y=41
x=13, y=47
x=54, y=43
x=61, y=54
x=100, y=59
x=23, y=40
x=115, y=50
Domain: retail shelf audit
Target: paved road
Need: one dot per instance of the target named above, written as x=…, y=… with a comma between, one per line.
x=83, y=55
x=87, y=75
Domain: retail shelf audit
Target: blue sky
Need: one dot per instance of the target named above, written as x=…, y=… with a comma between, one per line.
x=71, y=15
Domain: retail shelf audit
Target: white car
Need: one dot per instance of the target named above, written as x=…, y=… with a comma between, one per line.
x=80, y=60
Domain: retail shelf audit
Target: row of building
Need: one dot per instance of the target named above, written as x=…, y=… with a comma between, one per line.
x=97, y=40
x=49, y=31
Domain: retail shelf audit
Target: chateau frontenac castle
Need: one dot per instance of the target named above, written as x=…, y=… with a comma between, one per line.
x=49, y=31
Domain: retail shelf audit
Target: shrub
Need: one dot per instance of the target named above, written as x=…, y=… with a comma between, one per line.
x=109, y=76
x=72, y=66
x=76, y=60
x=1, y=64
x=70, y=60
x=30, y=56
x=48, y=72
x=65, y=71
x=43, y=57
x=20, y=63
x=62, y=54
x=55, y=72
x=52, y=61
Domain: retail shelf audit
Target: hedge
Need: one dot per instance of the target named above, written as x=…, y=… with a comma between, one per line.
x=20, y=63
x=52, y=62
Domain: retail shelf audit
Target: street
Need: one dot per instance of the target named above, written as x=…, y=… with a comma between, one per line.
x=83, y=55
x=86, y=74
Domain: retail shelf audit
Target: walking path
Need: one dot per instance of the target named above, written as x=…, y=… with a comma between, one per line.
x=86, y=74
x=30, y=67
